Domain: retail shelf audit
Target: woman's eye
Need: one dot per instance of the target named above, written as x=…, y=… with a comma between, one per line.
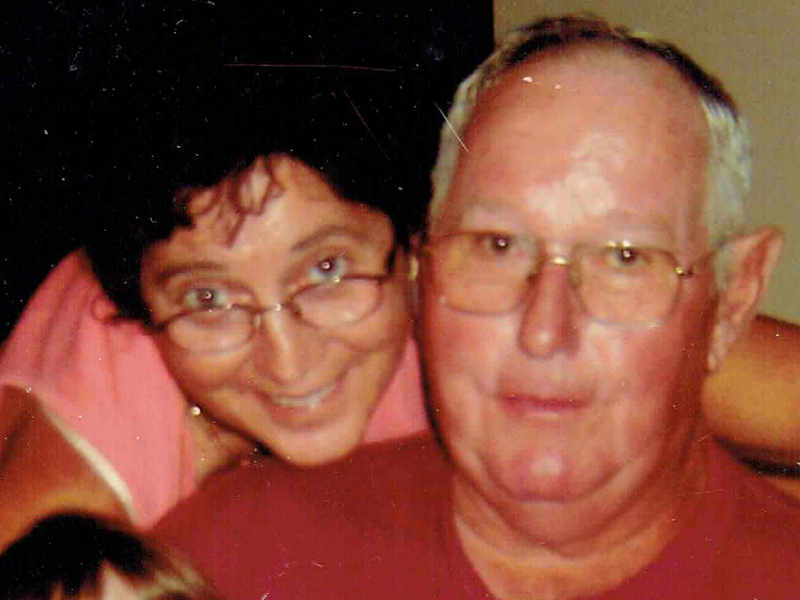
x=495, y=244
x=329, y=269
x=206, y=298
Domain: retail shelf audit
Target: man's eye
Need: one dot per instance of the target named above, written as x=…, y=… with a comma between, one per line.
x=206, y=298
x=627, y=257
x=329, y=269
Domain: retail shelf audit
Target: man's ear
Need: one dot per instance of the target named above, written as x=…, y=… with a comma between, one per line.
x=751, y=259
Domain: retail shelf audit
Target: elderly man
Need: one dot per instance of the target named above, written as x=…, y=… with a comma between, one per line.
x=585, y=269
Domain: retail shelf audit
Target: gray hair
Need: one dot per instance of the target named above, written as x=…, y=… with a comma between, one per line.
x=729, y=162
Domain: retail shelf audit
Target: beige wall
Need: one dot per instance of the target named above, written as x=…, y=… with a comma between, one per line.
x=753, y=46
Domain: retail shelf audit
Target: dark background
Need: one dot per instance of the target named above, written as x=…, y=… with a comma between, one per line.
x=54, y=57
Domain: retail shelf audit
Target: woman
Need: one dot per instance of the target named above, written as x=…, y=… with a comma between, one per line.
x=256, y=236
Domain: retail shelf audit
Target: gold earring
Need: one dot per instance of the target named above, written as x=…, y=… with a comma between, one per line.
x=413, y=268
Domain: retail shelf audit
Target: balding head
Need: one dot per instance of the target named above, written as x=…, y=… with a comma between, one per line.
x=727, y=178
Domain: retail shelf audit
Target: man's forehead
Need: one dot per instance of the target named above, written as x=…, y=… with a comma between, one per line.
x=623, y=125
x=594, y=71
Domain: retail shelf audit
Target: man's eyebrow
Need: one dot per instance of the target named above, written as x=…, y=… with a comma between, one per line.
x=615, y=217
x=327, y=232
x=633, y=223
x=480, y=206
x=187, y=267
x=490, y=206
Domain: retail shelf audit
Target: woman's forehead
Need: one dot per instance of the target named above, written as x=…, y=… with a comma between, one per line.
x=278, y=196
x=300, y=221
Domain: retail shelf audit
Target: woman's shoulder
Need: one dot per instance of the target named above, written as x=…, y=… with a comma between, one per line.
x=268, y=520
x=101, y=381
x=369, y=483
x=373, y=468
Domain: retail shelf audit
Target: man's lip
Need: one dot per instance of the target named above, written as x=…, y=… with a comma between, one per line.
x=523, y=403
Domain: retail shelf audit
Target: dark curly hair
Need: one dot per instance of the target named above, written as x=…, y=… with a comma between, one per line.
x=62, y=556
x=179, y=112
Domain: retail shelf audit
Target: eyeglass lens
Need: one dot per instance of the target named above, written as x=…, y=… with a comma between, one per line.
x=323, y=306
x=491, y=273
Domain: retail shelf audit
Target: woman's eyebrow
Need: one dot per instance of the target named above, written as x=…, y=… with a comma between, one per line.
x=187, y=267
x=327, y=232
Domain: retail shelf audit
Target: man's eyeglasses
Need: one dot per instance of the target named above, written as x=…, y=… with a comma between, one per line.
x=491, y=272
x=342, y=301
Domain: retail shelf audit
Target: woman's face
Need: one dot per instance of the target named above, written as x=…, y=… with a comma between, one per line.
x=304, y=390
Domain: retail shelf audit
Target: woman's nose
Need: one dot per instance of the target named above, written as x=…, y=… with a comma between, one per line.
x=285, y=349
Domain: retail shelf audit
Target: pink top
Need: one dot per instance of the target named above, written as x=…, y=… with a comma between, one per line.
x=105, y=386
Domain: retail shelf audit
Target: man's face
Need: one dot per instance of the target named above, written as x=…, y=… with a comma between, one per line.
x=544, y=402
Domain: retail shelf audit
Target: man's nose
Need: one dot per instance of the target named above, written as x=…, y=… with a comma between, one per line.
x=284, y=348
x=549, y=313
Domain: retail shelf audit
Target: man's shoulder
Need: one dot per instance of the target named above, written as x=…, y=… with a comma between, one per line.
x=253, y=492
x=761, y=547
x=742, y=542
x=760, y=508
x=375, y=468
x=267, y=526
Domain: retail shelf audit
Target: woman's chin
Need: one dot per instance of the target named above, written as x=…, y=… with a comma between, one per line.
x=325, y=443
x=318, y=428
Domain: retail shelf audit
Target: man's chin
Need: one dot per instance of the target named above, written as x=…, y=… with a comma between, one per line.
x=544, y=476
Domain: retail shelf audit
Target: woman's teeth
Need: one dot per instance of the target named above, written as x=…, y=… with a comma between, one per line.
x=309, y=401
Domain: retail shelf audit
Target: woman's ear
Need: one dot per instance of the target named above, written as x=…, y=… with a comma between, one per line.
x=751, y=260
x=415, y=247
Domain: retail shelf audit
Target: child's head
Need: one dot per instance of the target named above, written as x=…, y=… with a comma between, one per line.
x=71, y=556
